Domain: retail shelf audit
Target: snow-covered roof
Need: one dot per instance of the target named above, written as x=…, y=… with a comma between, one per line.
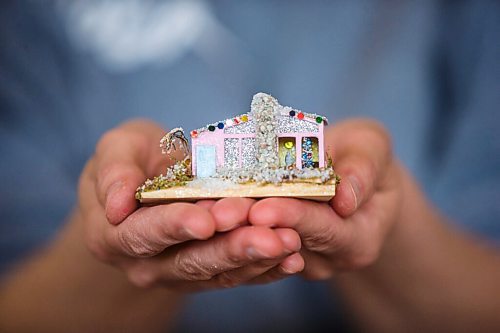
x=245, y=117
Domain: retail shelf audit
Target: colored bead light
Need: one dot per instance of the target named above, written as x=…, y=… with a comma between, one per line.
x=194, y=134
x=220, y=125
x=211, y=128
x=244, y=118
x=319, y=119
x=300, y=116
x=292, y=113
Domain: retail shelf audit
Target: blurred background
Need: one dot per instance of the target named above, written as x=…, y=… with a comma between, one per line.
x=71, y=70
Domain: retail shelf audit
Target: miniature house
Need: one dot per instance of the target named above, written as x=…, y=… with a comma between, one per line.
x=297, y=138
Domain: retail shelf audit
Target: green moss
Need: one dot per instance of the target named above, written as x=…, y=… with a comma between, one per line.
x=177, y=175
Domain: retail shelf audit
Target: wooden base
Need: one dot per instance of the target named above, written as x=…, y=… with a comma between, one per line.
x=318, y=192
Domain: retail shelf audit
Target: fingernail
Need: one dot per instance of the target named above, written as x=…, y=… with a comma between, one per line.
x=252, y=253
x=111, y=212
x=189, y=233
x=355, y=188
x=285, y=270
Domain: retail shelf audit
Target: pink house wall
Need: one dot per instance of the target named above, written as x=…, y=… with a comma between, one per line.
x=217, y=137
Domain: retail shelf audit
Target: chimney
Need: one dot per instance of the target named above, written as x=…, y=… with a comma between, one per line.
x=264, y=110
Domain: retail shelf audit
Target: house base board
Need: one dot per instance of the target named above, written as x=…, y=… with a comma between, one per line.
x=317, y=192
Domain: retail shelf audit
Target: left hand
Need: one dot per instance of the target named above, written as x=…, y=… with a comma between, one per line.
x=349, y=231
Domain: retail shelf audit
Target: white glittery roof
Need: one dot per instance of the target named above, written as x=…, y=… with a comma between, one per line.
x=283, y=110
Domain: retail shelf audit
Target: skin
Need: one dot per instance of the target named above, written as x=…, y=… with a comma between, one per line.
x=398, y=264
x=181, y=246
x=389, y=253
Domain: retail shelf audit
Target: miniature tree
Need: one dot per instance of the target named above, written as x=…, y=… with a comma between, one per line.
x=307, y=153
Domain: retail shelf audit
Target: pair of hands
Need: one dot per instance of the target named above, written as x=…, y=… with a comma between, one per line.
x=233, y=241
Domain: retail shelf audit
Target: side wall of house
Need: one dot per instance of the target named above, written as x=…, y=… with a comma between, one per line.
x=287, y=127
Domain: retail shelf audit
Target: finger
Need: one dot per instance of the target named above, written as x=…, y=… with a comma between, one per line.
x=292, y=264
x=290, y=239
x=150, y=230
x=320, y=228
x=318, y=267
x=202, y=261
x=239, y=276
x=362, y=155
x=265, y=271
x=86, y=188
x=230, y=213
x=116, y=187
x=124, y=158
x=207, y=204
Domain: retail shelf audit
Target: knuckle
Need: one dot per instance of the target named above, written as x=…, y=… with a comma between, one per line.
x=96, y=246
x=234, y=259
x=322, y=242
x=86, y=183
x=107, y=139
x=364, y=259
x=381, y=136
x=133, y=245
x=190, y=268
x=366, y=175
x=141, y=276
x=378, y=129
x=112, y=169
x=361, y=261
x=117, y=136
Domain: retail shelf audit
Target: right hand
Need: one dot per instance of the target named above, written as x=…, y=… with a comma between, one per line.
x=182, y=246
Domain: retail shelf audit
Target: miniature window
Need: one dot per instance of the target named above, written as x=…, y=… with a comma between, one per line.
x=310, y=156
x=248, y=153
x=286, y=152
x=231, y=153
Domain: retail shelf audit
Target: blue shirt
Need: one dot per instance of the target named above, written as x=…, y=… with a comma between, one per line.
x=428, y=70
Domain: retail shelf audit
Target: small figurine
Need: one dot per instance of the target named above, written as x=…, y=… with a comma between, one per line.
x=272, y=151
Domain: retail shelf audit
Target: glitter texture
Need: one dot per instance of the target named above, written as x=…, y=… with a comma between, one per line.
x=287, y=124
x=248, y=150
x=264, y=110
x=231, y=153
x=278, y=176
x=242, y=128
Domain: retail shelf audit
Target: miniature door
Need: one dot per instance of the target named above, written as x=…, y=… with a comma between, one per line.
x=287, y=152
x=206, y=158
